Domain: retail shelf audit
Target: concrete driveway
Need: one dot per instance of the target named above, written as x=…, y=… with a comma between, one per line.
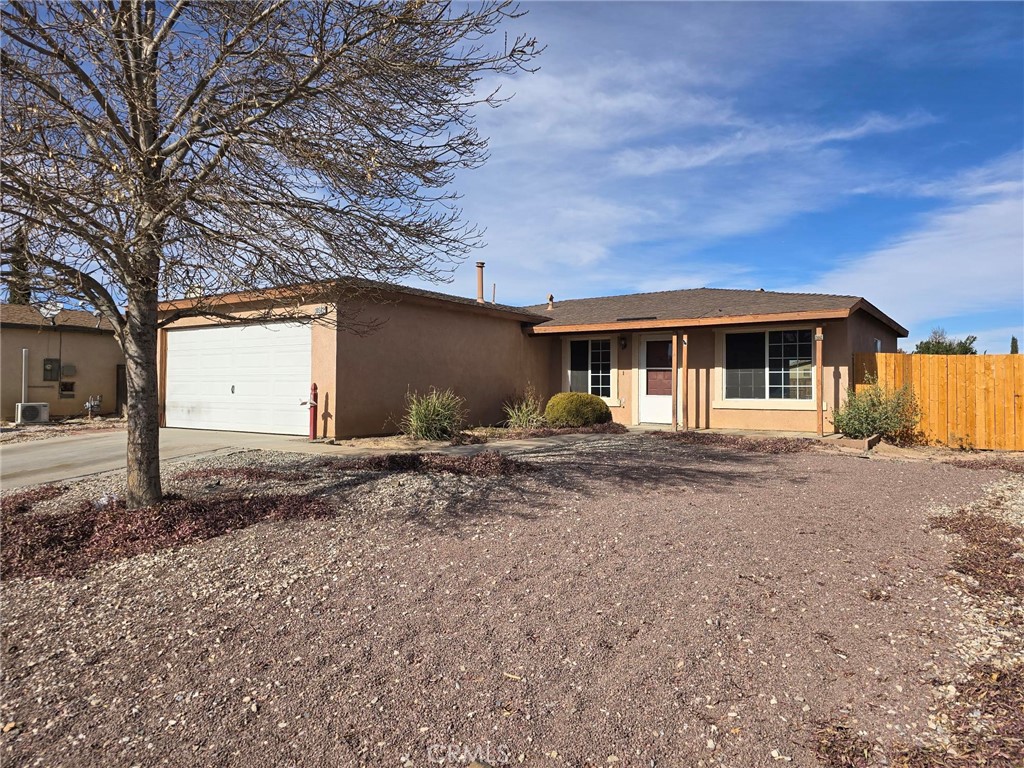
x=58, y=459
x=64, y=458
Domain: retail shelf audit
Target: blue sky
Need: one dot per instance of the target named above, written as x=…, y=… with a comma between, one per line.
x=872, y=149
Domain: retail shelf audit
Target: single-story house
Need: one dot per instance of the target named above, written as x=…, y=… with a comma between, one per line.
x=743, y=359
x=71, y=357
x=690, y=359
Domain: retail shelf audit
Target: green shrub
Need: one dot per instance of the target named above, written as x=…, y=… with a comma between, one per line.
x=893, y=414
x=525, y=411
x=437, y=415
x=576, y=409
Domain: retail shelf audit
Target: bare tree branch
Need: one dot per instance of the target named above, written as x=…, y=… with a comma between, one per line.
x=154, y=150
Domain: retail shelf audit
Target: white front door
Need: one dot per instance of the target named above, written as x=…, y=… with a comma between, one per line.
x=241, y=378
x=655, y=379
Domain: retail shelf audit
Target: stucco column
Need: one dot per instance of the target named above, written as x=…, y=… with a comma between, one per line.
x=819, y=368
x=684, y=374
x=675, y=381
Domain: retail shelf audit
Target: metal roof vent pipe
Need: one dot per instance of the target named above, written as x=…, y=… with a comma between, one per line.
x=480, y=282
x=551, y=301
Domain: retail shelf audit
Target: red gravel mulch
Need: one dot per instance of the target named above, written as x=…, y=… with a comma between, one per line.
x=17, y=502
x=484, y=464
x=66, y=543
x=991, y=555
x=1005, y=463
x=769, y=445
x=472, y=438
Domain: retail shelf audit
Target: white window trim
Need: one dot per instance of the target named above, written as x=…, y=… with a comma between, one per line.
x=767, y=404
x=613, y=400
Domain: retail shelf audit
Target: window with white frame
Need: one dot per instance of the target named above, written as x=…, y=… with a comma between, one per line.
x=772, y=365
x=590, y=366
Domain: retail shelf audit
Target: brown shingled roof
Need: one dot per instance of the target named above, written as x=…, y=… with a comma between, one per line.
x=697, y=304
x=27, y=316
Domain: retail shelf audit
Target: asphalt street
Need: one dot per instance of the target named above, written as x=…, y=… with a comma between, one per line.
x=58, y=459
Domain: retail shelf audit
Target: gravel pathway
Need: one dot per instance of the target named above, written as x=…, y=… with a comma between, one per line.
x=634, y=603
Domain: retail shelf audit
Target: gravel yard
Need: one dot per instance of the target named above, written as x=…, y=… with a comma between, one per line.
x=633, y=602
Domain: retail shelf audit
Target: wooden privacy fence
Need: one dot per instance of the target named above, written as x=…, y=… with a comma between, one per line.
x=972, y=401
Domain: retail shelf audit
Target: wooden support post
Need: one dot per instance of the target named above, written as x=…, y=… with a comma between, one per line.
x=819, y=383
x=685, y=374
x=675, y=381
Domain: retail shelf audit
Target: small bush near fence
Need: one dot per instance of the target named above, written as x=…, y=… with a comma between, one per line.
x=525, y=411
x=436, y=415
x=576, y=409
x=893, y=414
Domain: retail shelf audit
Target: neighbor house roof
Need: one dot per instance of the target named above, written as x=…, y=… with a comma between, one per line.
x=698, y=306
x=360, y=286
x=27, y=316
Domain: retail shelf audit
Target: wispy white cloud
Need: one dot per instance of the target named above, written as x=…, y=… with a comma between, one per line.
x=754, y=140
x=593, y=108
x=963, y=258
x=641, y=148
x=556, y=203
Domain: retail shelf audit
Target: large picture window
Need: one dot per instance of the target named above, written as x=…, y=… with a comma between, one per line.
x=590, y=366
x=773, y=365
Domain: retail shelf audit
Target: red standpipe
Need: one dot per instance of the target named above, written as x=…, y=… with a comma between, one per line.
x=312, y=412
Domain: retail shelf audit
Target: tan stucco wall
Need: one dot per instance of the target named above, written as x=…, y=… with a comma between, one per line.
x=362, y=380
x=704, y=376
x=620, y=404
x=842, y=341
x=835, y=363
x=484, y=359
x=95, y=357
x=863, y=329
x=623, y=414
x=324, y=357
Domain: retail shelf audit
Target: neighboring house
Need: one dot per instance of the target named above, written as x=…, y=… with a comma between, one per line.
x=743, y=359
x=71, y=358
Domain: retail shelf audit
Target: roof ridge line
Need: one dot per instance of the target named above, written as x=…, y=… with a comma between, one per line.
x=702, y=288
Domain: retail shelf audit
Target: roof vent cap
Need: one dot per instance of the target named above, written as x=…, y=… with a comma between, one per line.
x=551, y=301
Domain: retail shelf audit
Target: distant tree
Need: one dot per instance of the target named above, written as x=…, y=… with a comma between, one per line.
x=938, y=343
x=160, y=148
x=1013, y=346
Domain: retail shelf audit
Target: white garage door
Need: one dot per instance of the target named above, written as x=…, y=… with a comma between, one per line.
x=242, y=378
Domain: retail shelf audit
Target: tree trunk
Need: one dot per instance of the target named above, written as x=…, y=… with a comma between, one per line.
x=143, y=403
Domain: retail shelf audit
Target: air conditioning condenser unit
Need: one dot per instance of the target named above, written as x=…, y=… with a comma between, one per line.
x=32, y=413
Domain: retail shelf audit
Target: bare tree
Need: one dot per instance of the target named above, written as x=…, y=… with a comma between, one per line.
x=195, y=147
